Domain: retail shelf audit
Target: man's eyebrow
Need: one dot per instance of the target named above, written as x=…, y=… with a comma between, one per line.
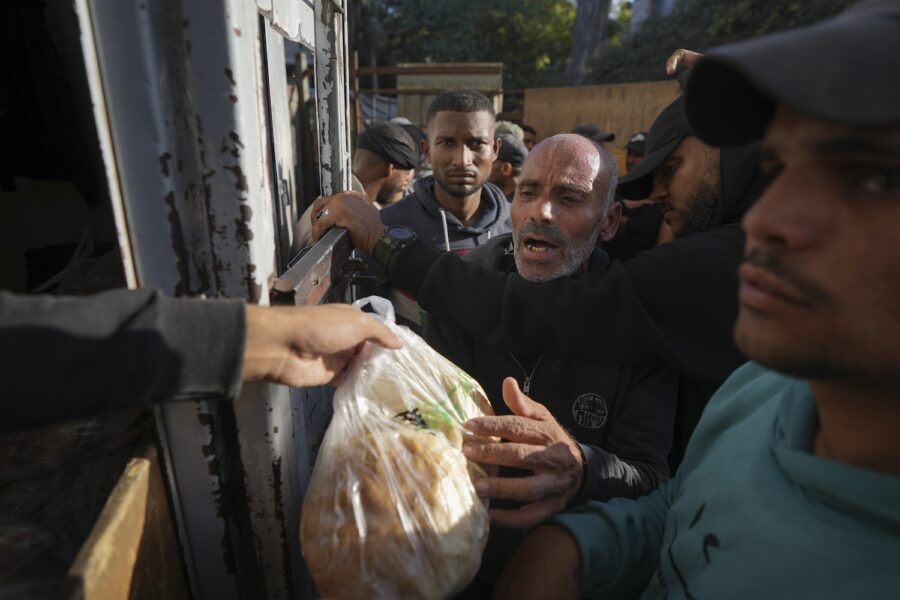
x=573, y=189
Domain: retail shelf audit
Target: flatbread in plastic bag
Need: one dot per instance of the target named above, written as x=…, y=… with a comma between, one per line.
x=391, y=511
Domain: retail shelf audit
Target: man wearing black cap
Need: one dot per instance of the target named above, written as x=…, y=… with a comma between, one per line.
x=791, y=485
x=508, y=166
x=384, y=161
x=634, y=150
x=679, y=172
x=383, y=167
x=641, y=219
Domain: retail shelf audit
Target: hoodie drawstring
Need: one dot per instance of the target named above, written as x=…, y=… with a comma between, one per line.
x=446, y=231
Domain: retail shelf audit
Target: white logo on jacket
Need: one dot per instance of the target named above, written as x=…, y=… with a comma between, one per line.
x=589, y=411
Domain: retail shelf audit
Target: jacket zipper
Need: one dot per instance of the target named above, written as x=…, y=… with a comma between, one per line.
x=526, y=387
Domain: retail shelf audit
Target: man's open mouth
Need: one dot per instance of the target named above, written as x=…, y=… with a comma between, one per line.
x=539, y=246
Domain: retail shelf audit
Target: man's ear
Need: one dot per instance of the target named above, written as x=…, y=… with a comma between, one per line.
x=506, y=169
x=611, y=222
x=426, y=149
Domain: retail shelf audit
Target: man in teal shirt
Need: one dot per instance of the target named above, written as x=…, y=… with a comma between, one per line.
x=790, y=486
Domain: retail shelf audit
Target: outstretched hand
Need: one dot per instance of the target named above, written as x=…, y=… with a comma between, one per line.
x=307, y=346
x=351, y=210
x=536, y=442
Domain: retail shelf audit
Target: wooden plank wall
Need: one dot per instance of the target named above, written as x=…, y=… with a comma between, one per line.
x=621, y=108
x=415, y=106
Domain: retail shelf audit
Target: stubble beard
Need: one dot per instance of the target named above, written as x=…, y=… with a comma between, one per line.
x=702, y=207
x=576, y=254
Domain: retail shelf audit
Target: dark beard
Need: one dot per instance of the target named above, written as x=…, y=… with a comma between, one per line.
x=702, y=209
x=384, y=195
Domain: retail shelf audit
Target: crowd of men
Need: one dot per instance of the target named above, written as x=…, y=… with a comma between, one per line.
x=703, y=404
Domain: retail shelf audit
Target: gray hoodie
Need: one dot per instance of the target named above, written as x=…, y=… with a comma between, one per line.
x=440, y=229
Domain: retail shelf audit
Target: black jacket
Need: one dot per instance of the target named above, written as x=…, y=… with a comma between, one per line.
x=622, y=416
x=675, y=303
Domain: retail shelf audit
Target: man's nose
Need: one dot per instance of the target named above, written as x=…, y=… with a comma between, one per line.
x=660, y=190
x=463, y=156
x=543, y=210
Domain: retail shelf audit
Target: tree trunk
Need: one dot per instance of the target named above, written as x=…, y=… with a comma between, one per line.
x=588, y=36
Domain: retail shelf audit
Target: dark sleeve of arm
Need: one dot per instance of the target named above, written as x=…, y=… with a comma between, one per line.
x=675, y=303
x=70, y=357
x=634, y=459
x=450, y=342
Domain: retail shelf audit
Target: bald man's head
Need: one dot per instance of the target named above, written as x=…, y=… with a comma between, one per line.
x=565, y=200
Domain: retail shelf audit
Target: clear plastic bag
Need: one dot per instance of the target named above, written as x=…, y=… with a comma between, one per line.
x=391, y=511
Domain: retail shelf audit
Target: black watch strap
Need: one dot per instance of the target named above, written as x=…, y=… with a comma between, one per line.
x=394, y=239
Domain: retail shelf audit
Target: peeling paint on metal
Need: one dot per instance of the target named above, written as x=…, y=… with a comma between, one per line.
x=279, y=515
x=230, y=75
x=240, y=183
x=243, y=233
x=179, y=247
x=254, y=290
x=164, y=163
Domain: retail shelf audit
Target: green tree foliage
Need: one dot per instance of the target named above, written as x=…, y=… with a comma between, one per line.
x=700, y=25
x=532, y=38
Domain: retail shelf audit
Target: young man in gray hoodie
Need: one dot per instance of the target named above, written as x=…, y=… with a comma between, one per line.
x=455, y=209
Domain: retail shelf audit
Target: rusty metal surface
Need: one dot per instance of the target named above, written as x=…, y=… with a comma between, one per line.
x=191, y=94
x=317, y=274
x=332, y=96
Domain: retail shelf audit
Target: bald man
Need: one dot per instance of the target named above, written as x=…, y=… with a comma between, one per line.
x=585, y=430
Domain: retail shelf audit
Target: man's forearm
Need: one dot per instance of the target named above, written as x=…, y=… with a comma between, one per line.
x=69, y=357
x=546, y=565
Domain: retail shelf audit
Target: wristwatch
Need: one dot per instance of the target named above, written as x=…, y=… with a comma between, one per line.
x=394, y=239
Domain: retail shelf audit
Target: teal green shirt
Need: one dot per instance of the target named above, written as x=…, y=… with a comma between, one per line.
x=751, y=512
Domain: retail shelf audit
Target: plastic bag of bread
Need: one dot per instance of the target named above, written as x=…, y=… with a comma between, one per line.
x=391, y=511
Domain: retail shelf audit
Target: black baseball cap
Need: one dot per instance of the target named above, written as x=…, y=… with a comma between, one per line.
x=667, y=131
x=592, y=132
x=512, y=150
x=637, y=143
x=845, y=69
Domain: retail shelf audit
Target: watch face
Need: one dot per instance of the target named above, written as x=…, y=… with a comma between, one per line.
x=400, y=233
